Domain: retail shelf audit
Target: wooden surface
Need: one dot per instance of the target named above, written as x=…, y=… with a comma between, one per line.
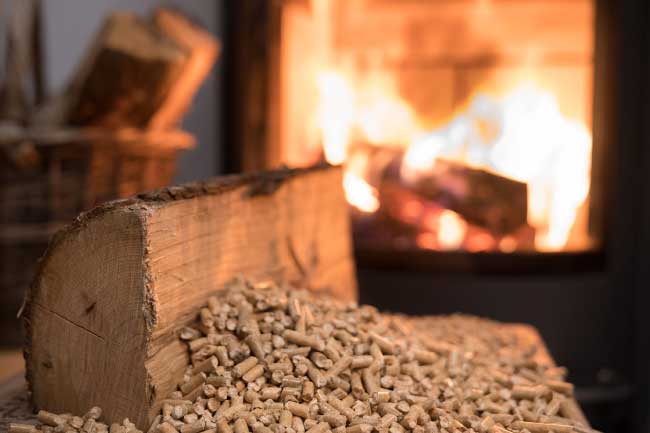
x=114, y=286
x=14, y=405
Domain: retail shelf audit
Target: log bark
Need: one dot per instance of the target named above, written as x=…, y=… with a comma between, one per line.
x=126, y=76
x=114, y=286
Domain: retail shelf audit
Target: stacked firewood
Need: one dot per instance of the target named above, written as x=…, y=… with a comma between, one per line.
x=270, y=360
x=137, y=73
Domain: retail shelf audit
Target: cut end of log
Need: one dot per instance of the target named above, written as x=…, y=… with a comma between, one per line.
x=77, y=333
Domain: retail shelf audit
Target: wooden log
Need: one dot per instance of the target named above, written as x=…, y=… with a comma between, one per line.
x=126, y=76
x=486, y=199
x=114, y=286
x=202, y=49
x=407, y=213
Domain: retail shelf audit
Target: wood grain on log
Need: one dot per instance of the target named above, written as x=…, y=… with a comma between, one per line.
x=115, y=286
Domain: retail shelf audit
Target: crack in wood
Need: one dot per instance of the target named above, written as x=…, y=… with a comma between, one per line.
x=70, y=321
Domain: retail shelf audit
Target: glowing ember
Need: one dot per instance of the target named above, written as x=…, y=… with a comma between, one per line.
x=451, y=231
x=427, y=241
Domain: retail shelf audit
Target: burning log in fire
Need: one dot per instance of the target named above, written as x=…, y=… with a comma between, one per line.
x=511, y=171
x=459, y=207
x=483, y=198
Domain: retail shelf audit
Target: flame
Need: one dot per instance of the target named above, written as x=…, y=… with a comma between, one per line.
x=359, y=193
x=335, y=115
x=373, y=111
x=383, y=116
x=523, y=136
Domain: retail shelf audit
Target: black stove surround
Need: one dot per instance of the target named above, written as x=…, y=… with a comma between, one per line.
x=592, y=309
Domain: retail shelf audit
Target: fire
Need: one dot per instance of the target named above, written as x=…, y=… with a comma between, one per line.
x=359, y=193
x=335, y=115
x=521, y=135
x=452, y=230
x=397, y=92
x=374, y=113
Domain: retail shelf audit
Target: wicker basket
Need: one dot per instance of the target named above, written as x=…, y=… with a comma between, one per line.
x=47, y=178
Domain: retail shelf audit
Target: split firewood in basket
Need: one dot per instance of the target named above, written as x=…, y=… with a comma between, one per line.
x=202, y=50
x=137, y=73
x=124, y=77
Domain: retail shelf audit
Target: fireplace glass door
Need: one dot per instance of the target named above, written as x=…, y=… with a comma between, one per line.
x=462, y=125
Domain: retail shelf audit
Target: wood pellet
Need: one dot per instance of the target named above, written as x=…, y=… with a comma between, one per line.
x=270, y=360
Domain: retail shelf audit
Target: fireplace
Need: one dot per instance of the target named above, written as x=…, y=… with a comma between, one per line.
x=462, y=125
x=465, y=127
x=495, y=153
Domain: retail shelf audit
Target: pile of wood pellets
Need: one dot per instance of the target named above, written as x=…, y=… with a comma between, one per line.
x=270, y=360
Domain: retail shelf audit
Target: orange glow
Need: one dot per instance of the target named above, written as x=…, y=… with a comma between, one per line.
x=412, y=210
x=507, y=244
x=452, y=230
x=427, y=241
x=359, y=194
x=529, y=141
x=335, y=115
x=480, y=242
x=521, y=135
